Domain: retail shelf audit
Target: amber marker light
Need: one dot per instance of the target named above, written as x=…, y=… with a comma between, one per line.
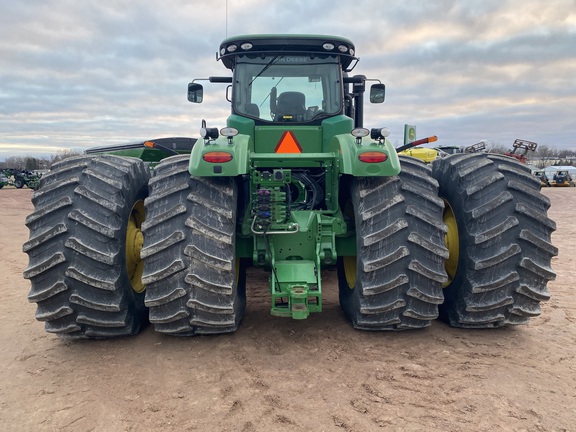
x=431, y=139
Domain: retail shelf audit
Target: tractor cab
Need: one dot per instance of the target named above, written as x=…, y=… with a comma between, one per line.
x=287, y=88
x=297, y=80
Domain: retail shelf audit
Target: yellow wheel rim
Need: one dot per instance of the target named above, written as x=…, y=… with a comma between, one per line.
x=134, y=242
x=237, y=271
x=350, y=270
x=452, y=243
x=349, y=262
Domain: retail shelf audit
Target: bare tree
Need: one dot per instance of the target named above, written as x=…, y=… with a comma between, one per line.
x=544, y=151
x=32, y=164
x=63, y=154
x=16, y=162
x=495, y=147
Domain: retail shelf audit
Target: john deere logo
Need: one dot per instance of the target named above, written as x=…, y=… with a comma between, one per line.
x=409, y=133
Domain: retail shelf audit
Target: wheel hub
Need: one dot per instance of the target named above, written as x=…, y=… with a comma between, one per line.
x=350, y=270
x=134, y=243
x=452, y=243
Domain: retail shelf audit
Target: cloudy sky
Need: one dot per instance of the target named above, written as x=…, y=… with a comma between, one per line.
x=81, y=73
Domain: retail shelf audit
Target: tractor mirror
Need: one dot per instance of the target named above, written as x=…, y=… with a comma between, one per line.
x=377, y=93
x=195, y=93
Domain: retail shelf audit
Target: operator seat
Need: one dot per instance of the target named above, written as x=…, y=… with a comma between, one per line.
x=252, y=110
x=291, y=106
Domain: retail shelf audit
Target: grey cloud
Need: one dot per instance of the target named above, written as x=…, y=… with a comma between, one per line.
x=95, y=72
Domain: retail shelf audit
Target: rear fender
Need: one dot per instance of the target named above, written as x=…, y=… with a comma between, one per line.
x=238, y=165
x=345, y=145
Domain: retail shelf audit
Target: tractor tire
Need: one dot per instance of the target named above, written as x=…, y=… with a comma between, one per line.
x=195, y=283
x=395, y=280
x=82, y=279
x=498, y=238
x=19, y=183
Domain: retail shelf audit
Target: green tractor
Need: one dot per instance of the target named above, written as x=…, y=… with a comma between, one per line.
x=19, y=178
x=4, y=180
x=293, y=184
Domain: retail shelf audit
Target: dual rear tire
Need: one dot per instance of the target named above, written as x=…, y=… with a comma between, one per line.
x=98, y=269
x=479, y=255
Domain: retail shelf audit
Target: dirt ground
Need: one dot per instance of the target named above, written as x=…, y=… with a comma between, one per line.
x=278, y=374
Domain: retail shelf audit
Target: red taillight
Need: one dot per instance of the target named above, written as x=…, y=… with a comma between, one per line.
x=372, y=157
x=217, y=157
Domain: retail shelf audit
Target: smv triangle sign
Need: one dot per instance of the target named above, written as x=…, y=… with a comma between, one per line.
x=288, y=144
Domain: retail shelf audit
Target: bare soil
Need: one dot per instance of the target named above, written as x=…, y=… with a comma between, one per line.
x=278, y=374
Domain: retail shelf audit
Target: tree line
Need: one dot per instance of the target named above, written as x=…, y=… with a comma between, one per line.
x=30, y=163
x=563, y=156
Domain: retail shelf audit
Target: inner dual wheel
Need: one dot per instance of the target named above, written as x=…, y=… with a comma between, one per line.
x=194, y=282
x=395, y=280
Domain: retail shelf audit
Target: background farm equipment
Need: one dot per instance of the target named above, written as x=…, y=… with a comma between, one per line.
x=562, y=179
x=520, y=148
x=4, y=180
x=429, y=155
x=541, y=175
x=19, y=178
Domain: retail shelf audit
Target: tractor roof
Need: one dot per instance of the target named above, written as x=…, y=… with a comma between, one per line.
x=287, y=44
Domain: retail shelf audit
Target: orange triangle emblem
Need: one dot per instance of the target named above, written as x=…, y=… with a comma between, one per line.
x=288, y=144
